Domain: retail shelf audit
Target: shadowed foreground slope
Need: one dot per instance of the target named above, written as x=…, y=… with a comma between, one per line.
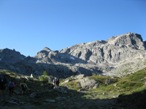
x=130, y=94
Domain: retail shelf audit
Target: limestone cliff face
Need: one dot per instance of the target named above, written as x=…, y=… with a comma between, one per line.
x=114, y=50
x=117, y=56
x=101, y=56
x=129, y=40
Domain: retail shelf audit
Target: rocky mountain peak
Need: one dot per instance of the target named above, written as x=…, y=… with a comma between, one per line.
x=44, y=52
x=133, y=40
x=10, y=56
x=119, y=55
x=47, y=49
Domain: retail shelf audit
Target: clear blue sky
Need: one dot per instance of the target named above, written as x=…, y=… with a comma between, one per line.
x=30, y=25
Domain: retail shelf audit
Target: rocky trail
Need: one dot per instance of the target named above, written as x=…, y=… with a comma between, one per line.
x=70, y=95
x=42, y=96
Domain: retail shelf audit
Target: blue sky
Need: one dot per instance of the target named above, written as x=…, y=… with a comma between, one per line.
x=30, y=25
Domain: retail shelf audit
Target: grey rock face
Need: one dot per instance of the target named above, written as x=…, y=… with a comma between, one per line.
x=87, y=83
x=132, y=40
x=114, y=50
x=118, y=56
x=100, y=56
x=10, y=56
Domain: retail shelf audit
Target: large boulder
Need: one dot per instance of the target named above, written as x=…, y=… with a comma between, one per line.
x=87, y=83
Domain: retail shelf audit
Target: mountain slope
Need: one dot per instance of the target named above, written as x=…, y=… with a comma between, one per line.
x=117, y=56
x=114, y=50
x=107, y=57
x=127, y=92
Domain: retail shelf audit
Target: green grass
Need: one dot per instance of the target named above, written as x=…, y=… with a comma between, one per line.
x=73, y=85
x=126, y=85
x=103, y=80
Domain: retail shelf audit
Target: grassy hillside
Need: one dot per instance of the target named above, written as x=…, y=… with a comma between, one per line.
x=111, y=93
x=127, y=85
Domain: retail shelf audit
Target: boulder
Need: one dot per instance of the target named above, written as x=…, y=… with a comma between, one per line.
x=33, y=95
x=87, y=83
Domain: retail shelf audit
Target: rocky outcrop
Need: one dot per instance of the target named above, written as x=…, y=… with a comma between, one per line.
x=131, y=40
x=118, y=56
x=87, y=83
x=100, y=56
x=116, y=49
x=10, y=56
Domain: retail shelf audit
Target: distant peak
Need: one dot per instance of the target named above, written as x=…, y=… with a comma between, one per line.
x=136, y=35
x=129, y=39
x=11, y=51
x=47, y=49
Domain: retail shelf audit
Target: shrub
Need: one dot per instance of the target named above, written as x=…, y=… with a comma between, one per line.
x=44, y=77
x=45, y=73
